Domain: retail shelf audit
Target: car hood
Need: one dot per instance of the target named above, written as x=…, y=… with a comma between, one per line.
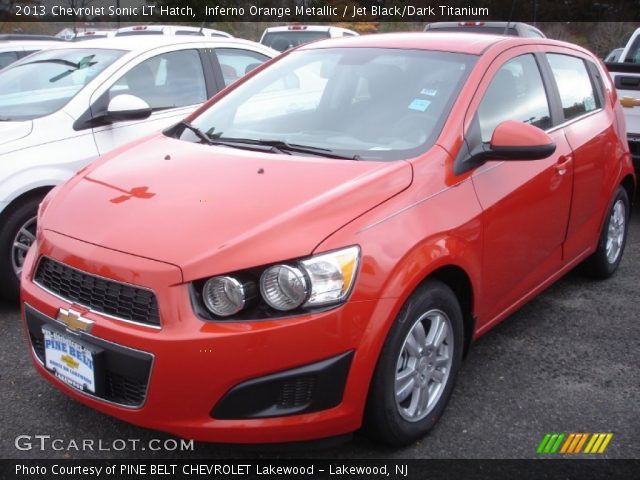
x=211, y=210
x=12, y=131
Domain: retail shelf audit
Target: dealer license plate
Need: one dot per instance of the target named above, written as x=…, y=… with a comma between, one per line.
x=71, y=361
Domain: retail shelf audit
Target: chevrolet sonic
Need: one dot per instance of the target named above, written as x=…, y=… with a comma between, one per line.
x=315, y=249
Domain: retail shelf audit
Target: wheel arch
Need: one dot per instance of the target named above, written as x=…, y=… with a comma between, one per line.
x=40, y=191
x=629, y=185
x=457, y=279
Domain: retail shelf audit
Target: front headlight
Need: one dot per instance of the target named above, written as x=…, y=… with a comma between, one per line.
x=304, y=285
x=331, y=275
x=224, y=296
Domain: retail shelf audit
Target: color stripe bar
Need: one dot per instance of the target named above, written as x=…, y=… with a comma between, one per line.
x=572, y=443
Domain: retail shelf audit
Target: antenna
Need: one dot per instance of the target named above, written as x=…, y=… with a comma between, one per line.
x=201, y=28
x=506, y=28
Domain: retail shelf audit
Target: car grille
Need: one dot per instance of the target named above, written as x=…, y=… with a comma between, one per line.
x=124, y=374
x=296, y=392
x=99, y=294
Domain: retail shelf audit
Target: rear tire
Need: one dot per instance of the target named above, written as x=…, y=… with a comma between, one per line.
x=605, y=260
x=417, y=367
x=16, y=236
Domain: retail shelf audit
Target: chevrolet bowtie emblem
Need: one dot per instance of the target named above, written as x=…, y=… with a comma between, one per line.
x=74, y=320
x=70, y=362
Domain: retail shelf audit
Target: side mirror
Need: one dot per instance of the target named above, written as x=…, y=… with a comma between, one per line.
x=128, y=107
x=513, y=140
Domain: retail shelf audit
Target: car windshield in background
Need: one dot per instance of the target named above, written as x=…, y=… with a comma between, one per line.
x=478, y=29
x=368, y=103
x=46, y=81
x=282, y=41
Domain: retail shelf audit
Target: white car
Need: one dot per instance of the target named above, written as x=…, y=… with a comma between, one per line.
x=62, y=108
x=289, y=36
x=15, y=47
x=170, y=30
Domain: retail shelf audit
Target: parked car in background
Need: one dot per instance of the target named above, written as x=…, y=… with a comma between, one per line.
x=94, y=34
x=515, y=29
x=327, y=264
x=625, y=72
x=289, y=36
x=614, y=55
x=15, y=47
x=60, y=109
x=170, y=30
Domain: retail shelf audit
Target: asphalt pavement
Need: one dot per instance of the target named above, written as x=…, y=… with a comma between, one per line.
x=568, y=361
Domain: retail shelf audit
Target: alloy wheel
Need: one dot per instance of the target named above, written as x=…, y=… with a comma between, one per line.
x=423, y=365
x=25, y=237
x=616, y=231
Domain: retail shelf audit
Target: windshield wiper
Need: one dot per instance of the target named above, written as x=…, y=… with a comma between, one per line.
x=285, y=147
x=85, y=62
x=233, y=143
x=199, y=133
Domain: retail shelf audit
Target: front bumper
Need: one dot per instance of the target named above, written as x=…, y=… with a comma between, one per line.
x=193, y=365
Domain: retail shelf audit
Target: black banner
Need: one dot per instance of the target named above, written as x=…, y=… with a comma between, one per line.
x=322, y=11
x=319, y=469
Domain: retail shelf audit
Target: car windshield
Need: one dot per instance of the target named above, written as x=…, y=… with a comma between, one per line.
x=282, y=41
x=44, y=82
x=363, y=103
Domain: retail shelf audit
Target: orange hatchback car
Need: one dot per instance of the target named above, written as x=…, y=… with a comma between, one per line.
x=316, y=248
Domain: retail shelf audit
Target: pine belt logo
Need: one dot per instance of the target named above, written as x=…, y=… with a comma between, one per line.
x=574, y=443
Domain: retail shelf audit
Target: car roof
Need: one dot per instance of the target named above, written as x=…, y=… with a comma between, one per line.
x=8, y=44
x=307, y=28
x=470, y=43
x=143, y=43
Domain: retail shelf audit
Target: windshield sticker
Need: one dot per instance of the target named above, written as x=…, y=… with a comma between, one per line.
x=419, y=105
x=431, y=92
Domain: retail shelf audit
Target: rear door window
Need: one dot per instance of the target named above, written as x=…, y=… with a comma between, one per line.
x=574, y=83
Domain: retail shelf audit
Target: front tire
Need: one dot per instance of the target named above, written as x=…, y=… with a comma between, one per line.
x=417, y=366
x=17, y=234
x=605, y=260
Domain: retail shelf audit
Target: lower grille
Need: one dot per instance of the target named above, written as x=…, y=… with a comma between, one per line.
x=125, y=373
x=99, y=294
x=120, y=389
x=296, y=392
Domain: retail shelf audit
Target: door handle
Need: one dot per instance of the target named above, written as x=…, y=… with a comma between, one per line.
x=563, y=164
